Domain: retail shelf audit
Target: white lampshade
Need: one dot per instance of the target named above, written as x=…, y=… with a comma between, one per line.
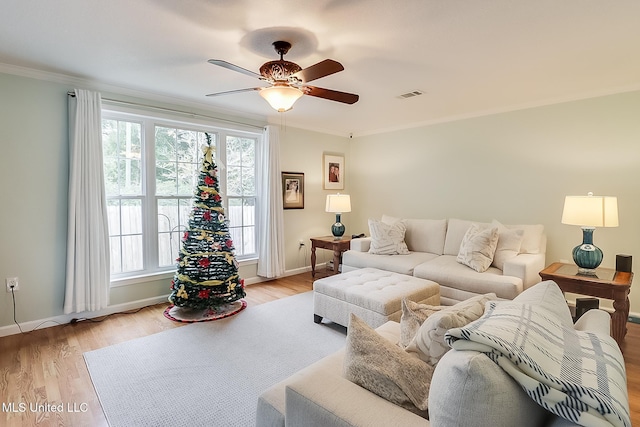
x=338, y=203
x=590, y=211
x=281, y=97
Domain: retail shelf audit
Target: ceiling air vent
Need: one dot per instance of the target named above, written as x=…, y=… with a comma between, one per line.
x=410, y=94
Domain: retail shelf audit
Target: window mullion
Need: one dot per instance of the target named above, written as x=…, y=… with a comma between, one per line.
x=150, y=201
x=222, y=171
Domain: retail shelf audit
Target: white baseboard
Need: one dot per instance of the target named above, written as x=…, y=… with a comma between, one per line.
x=66, y=318
x=286, y=274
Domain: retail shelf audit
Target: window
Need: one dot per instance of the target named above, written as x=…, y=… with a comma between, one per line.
x=151, y=168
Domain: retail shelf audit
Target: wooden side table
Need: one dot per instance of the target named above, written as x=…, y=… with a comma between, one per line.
x=329, y=242
x=607, y=283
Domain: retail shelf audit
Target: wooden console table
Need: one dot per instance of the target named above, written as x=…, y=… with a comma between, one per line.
x=329, y=242
x=607, y=283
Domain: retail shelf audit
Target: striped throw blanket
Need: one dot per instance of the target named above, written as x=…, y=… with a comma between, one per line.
x=579, y=376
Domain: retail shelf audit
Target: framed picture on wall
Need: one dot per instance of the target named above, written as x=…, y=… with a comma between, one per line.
x=333, y=172
x=293, y=190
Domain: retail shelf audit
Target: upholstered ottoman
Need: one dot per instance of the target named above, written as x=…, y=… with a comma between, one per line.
x=371, y=294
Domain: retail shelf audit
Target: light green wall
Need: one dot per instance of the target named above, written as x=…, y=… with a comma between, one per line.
x=302, y=151
x=516, y=167
x=33, y=189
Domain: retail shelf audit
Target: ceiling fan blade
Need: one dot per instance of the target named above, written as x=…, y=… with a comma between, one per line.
x=234, y=91
x=333, y=95
x=233, y=67
x=321, y=69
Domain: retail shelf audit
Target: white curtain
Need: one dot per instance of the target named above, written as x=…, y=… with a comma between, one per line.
x=87, y=284
x=270, y=220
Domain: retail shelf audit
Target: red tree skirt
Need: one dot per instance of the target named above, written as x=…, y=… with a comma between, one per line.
x=189, y=315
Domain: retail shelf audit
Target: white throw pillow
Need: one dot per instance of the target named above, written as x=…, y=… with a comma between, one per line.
x=509, y=243
x=387, y=239
x=532, y=239
x=549, y=296
x=428, y=343
x=478, y=247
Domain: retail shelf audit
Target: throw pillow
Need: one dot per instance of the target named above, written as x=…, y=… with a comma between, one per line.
x=478, y=247
x=375, y=363
x=509, y=243
x=413, y=316
x=428, y=343
x=549, y=296
x=387, y=239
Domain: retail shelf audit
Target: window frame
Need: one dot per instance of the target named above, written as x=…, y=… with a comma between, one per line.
x=150, y=228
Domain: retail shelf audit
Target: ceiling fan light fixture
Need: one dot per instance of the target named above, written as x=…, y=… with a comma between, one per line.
x=281, y=97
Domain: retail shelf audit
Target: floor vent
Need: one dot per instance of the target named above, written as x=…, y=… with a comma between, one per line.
x=634, y=319
x=410, y=94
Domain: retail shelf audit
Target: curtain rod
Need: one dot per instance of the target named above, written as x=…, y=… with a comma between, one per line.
x=169, y=110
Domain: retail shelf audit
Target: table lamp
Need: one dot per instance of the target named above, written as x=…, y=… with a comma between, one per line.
x=338, y=203
x=589, y=212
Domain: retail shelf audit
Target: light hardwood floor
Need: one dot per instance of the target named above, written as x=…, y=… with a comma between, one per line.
x=46, y=366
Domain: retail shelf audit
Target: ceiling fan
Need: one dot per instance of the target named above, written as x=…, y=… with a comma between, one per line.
x=288, y=81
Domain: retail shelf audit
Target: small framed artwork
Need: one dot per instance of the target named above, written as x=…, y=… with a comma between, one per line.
x=293, y=190
x=333, y=172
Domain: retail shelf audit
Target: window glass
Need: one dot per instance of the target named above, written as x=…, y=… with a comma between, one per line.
x=149, y=195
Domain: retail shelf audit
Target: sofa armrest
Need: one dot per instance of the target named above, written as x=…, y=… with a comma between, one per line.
x=596, y=321
x=526, y=267
x=361, y=244
x=320, y=400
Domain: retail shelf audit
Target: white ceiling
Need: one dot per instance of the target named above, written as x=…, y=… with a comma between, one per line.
x=469, y=57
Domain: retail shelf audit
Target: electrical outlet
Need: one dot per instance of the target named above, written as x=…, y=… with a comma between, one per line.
x=12, y=282
x=300, y=244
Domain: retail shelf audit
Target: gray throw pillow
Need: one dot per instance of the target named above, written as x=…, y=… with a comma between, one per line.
x=413, y=316
x=375, y=363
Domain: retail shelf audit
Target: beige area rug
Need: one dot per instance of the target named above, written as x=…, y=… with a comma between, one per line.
x=210, y=374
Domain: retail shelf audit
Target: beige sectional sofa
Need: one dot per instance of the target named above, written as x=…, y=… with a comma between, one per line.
x=467, y=388
x=433, y=249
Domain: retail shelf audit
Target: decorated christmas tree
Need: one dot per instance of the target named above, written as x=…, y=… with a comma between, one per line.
x=207, y=275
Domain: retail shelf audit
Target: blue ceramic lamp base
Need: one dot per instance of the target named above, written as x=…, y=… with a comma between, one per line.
x=337, y=229
x=587, y=256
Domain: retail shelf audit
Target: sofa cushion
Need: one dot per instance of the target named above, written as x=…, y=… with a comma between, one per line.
x=509, y=244
x=387, y=239
x=491, y=397
x=531, y=239
x=548, y=296
x=456, y=229
x=413, y=316
x=446, y=271
x=478, y=247
x=423, y=235
x=428, y=343
x=383, y=368
x=397, y=264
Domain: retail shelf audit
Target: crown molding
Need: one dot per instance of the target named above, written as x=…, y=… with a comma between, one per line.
x=75, y=81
